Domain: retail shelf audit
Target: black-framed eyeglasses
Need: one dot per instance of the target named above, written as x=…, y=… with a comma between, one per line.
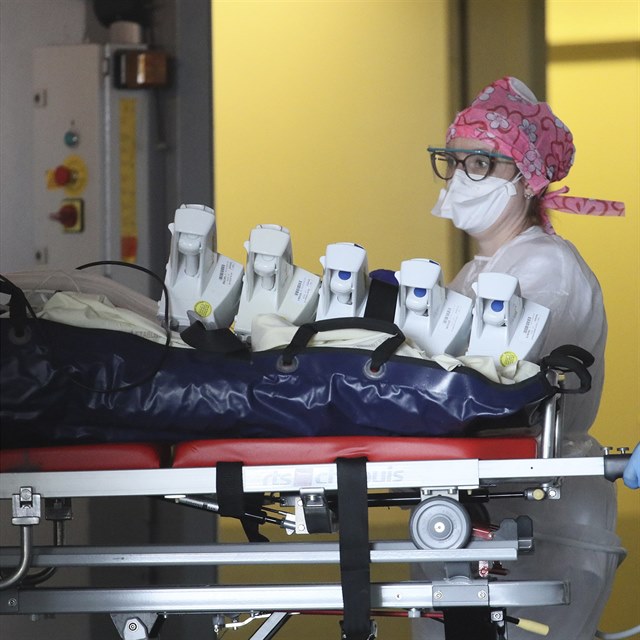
x=477, y=164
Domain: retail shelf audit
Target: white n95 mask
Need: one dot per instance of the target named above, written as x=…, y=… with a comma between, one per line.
x=472, y=205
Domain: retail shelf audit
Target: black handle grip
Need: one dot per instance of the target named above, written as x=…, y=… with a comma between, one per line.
x=570, y=359
x=614, y=465
x=574, y=351
x=380, y=355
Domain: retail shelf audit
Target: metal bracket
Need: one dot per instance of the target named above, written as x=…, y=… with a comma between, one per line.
x=312, y=512
x=25, y=507
x=58, y=509
x=138, y=626
x=447, y=492
x=274, y=621
x=461, y=592
x=553, y=490
x=497, y=615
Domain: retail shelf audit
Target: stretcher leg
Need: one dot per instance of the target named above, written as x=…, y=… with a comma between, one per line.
x=271, y=626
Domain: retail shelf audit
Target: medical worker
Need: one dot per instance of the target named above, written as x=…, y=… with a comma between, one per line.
x=501, y=154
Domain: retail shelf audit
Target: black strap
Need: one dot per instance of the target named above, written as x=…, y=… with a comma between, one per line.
x=222, y=341
x=17, y=306
x=229, y=489
x=354, y=548
x=233, y=502
x=381, y=301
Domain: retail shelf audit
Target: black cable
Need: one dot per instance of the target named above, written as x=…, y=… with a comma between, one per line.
x=165, y=350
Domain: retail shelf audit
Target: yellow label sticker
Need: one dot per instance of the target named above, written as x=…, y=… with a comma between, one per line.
x=128, y=179
x=507, y=358
x=203, y=308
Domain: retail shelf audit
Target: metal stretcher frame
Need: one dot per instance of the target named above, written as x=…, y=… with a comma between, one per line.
x=462, y=474
x=140, y=606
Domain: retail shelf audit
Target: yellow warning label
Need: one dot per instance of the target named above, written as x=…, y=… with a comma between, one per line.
x=128, y=196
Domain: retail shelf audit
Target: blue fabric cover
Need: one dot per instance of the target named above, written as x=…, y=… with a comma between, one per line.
x=196, y=394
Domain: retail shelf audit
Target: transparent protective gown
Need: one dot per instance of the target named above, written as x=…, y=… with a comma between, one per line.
x=575, y=537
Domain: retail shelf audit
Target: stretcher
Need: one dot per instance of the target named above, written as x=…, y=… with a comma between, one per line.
x=304, y=486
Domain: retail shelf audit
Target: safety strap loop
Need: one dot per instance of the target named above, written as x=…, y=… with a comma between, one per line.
x=233, y=502
x=354, y=549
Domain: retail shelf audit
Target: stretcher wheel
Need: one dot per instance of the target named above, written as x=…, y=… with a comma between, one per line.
x=440, y=523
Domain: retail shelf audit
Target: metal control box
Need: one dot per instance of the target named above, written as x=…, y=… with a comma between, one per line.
x=91, y=162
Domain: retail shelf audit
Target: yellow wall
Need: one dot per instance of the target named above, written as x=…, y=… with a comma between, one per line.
x=322, y=114
x=593, y=84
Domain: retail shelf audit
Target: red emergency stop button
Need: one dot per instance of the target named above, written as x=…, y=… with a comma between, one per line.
x=70, y=176
x=63, y=176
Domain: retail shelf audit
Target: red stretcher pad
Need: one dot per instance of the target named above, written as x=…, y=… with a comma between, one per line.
x=260, y=451
x=282, y=451
x=84, y=457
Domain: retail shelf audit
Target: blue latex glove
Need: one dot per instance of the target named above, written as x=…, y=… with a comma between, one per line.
x=631, y=474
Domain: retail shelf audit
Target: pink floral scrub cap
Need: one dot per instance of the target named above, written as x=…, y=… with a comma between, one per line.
x=508, y=116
